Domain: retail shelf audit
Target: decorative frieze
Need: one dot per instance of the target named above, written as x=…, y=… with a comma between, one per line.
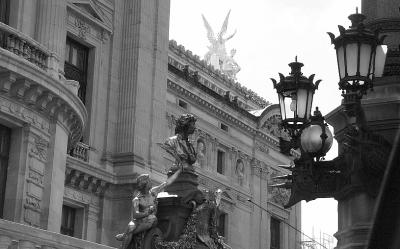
x=81, y=197
x=262, y=147
x=22, y=113
x=220, y=113
x=39, y=148
x=273, y=127
x=82, y=27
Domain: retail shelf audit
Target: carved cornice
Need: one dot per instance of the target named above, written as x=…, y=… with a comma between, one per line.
x=385, y=25
x=85, y=182
x=32, y=95
x=187, y=55
x=220, y=113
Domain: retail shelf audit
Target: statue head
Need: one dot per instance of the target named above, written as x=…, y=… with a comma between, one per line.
x=143, y=182
x=185, y=124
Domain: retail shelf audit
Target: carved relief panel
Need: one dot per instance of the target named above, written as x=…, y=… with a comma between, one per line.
x=279, y=196
x=272, y=126
x=37, y=158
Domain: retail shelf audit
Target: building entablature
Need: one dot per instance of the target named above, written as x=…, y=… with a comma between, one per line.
x=210, y=77
x=27, y=77
x=85, y=182
x=250, y=129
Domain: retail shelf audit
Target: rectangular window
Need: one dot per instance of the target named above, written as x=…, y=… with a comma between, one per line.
x=182, y=104
x=5, y=134
x=221, y=225
x=68, y=220
x=224, y=127
x=76, y=60
x=275, y=233
x=220, y=161
x=4, y=11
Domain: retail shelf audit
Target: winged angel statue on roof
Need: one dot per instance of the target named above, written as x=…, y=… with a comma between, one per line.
x=217, y=55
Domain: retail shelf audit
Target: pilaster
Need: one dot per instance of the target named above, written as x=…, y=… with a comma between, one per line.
x=144, y=46
x=54, y=179
x=51, y=32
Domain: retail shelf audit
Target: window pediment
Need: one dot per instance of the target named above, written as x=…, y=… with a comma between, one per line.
x=91, y=13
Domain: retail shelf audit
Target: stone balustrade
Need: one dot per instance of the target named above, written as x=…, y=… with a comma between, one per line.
x=24, y=46
x=15, y=235
x=80, y=151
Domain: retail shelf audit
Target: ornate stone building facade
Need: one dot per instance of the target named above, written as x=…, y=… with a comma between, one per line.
x=238, y=150
x=87, y=90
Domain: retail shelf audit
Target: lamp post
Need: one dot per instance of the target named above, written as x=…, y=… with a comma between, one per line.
x=353, y=178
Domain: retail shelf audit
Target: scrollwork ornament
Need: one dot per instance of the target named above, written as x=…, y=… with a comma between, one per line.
x=39, y=148
x=83, y=28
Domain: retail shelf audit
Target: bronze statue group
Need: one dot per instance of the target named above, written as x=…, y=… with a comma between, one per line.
x=200, y=228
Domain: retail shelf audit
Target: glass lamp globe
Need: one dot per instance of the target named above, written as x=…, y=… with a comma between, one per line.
x=316, y=139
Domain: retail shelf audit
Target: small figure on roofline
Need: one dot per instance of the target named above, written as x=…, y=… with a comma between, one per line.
x=144, y=208
x=179, y=145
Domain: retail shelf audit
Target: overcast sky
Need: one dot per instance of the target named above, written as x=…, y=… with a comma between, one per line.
x=270, y=33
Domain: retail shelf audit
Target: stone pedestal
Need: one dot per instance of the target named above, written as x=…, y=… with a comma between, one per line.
x=185, y=184
x=172, y=217
x=174, y=211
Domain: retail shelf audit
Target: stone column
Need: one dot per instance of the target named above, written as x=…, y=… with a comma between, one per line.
x=355, y=209
x=54, y=179
x=354, y=221
x=51, y=31
x=92, y=223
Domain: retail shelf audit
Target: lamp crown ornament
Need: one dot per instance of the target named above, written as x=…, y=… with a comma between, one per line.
x=296, y=67
x=357, y=19
x=360, y=55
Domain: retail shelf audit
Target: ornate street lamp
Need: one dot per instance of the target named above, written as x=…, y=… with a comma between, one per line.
x=295, y=94
x=360, y=55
